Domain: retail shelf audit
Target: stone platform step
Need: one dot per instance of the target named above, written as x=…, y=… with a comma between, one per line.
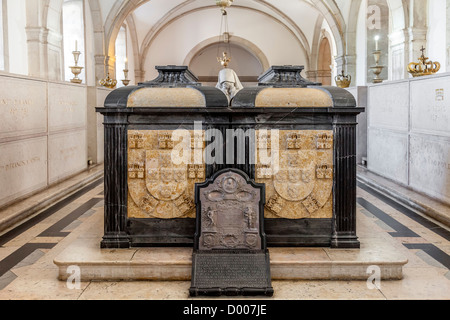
x=174, y=264
x=426, y=205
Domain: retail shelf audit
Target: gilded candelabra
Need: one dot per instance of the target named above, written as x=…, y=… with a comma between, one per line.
x=224, y=60
x=424, y=67
x=108, y=82
x=76, y=70
x=126, y=81
x=377, y=69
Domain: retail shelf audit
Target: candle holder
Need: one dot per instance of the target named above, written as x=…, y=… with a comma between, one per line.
x=377, y=69
x=126, y=82
x=76, y=70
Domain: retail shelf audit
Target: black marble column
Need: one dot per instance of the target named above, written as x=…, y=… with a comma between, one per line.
x=344, y=215
x=116, y=174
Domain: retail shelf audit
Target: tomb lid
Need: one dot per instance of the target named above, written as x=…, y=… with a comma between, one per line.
x=175, y=86
x=284, y=87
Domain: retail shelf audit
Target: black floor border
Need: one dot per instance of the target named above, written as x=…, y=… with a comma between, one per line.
x=407, y=212
x=17, y=256
x=433, y=251
x=56, y=229
x=401, y=231
x=10, y=235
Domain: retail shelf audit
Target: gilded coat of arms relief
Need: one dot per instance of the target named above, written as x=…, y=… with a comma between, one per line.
x=301, y=185
x=157, y=187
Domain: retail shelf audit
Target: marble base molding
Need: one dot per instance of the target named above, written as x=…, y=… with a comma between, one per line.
x=175, y=264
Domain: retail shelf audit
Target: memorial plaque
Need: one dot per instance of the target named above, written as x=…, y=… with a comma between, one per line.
x=230, y=256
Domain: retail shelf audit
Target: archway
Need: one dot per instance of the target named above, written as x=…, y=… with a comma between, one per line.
x=324, y=63
x=329, y=10
x=204, y=64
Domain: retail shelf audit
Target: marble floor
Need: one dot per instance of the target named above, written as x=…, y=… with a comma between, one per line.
x=27, y=252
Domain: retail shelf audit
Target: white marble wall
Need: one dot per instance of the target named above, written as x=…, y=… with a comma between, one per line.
x=23, y=109
x=23, y=167
x=360, y=94
x=409, y=133
x=43, y=134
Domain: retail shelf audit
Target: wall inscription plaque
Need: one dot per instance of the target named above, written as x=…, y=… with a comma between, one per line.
x=230, y=256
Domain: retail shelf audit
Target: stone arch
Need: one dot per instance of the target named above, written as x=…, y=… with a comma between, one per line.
x=122, y=8
x=324, y=62
x=154, y=33
x=249, y=46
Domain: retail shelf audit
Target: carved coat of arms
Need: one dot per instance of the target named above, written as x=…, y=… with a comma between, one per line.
x=159, y=188
x=301, y=187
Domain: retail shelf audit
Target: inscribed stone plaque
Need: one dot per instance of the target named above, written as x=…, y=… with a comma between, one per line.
x=430, y=106
x=430, y=165
x=23, y=168
x=66, y=109
x=230, y=256
x=67, y=154
x=23, y=106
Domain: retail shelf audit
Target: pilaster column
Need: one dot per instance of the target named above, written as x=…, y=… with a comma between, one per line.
x=399, y=54
x=344, y=196
x=418, y=28
x=116, y=175
x=139, y=75
x=417, y=39
x=110, y=63
x=311, y=75
x=348, y=64
x=37, y=51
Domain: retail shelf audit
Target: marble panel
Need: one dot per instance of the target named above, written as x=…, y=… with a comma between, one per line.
x=23, y=106
x=23, y=168
x=101, y=97
x=388, y=154
x=67, y=154
x=100, y=139
x=360, y=94
x=389, y=106
x=67, y=106
x=430, y=166
x=430, y=106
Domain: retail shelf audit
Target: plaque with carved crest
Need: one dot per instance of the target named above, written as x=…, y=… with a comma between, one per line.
x=299, y=185
x=157, y=186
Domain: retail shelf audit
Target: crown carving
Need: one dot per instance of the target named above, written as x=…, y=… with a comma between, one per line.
x=425, y=67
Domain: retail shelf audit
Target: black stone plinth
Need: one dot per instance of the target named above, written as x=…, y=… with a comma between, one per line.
x=340, y=117
x=231, y=274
